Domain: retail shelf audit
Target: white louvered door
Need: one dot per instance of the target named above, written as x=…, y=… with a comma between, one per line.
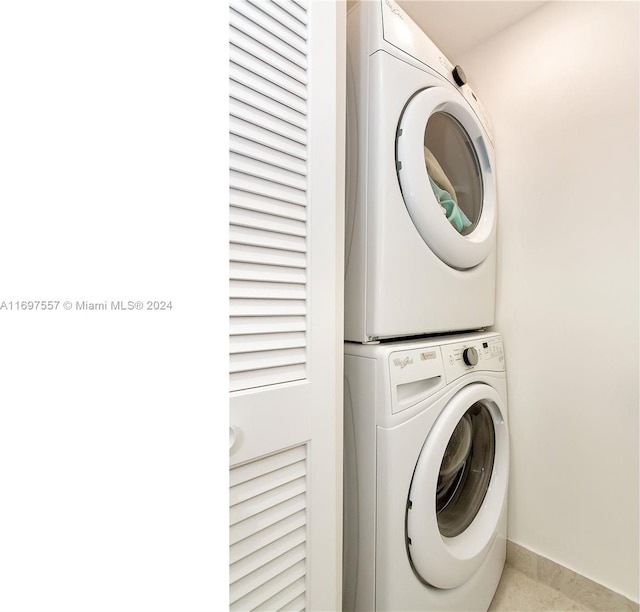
x=286, y=235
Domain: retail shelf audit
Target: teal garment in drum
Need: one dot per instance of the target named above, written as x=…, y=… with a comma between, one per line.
x=455, y=215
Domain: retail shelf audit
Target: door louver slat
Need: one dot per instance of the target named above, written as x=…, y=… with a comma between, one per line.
x=267, y=221
x=283, y=17
x=240, y=234
x=260, y=17
x=272, y=580
x=265, y=554
x=263, y=360
x=271, y=376
x=257, y=66
x=291, y=598
x=268, y=273
x=254, y=525
x=252, y=46
x=266, y=38
x=295, y=10
x=266, y=483
x=268, y=257
x=267, y=138
x=259, y=203
x=256, y=505
x=242, y=93
x=247, y=326
x=271, y=463
x=270, y=342
x=266, y=171
x=266, y=535
x=258, y=186
x=255, y=150
x=254, y=81
x=266, y=308
x=266, y=120
x=260, y=290
x=268, y=519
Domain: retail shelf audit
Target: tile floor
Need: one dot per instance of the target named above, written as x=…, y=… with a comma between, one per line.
x=519, y=593
x=532, y=582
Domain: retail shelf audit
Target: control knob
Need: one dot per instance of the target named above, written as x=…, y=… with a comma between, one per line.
x=470, y=356
x=459, y=76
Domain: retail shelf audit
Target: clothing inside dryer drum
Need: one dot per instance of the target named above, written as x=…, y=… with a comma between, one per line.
x=454, y=171
x=465, y=471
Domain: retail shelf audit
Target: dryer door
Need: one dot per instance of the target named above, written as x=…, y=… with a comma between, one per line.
x=445, y=167
x=459, y=488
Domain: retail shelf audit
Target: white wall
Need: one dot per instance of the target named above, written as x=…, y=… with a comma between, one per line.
x=562, y=89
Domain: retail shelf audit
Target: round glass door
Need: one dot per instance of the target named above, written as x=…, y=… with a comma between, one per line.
x=465, y=471
x=445, y=170
x=458, y=489
x=454, y=171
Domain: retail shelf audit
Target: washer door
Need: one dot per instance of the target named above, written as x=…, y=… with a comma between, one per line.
x=458, y=488
x=446, y=176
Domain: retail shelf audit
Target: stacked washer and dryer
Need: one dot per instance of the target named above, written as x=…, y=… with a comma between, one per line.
x=426, y=435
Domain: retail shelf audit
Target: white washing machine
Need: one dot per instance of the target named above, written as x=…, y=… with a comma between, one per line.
x=421, y=195
x=426, y=472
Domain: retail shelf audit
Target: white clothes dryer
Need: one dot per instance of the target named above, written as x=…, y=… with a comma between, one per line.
x=426, y=473
x=421, y=197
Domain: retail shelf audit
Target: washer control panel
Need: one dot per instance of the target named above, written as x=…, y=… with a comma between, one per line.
x=414, y=375
x=464, y=357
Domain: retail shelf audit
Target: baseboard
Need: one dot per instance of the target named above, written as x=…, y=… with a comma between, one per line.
x=566, y=581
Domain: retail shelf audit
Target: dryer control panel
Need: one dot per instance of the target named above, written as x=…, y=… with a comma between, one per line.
x=483, y=354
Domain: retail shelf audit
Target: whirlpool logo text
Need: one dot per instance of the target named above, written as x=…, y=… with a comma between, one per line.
x=394, y=9
x=401, y=363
